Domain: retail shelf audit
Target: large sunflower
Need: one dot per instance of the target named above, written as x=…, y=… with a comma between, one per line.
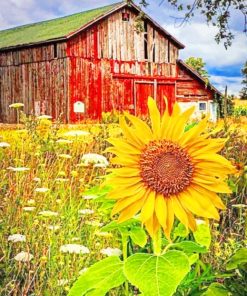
x=166, y=171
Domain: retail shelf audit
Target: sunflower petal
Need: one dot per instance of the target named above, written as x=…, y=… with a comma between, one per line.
x=169, y=220
x=131, y=211
x=148, y=207
x=161, y=210
x=155, y=117
x=179, y=211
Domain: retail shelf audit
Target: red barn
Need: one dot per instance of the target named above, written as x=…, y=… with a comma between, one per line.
x=93, y=62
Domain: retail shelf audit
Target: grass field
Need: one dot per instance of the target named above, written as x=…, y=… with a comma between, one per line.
x=53, y=206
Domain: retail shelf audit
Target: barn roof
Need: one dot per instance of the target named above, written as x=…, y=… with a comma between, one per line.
x=63, y=28
x=196, y=75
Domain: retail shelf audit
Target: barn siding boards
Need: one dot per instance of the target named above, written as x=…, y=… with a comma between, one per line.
x=40, y=86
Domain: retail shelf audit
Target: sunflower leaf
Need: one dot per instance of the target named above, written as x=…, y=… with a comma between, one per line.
x=216, y=289
x=157, y=275
x=190, y=247
x=202, y=235
x=99, y=278
x=138, y=235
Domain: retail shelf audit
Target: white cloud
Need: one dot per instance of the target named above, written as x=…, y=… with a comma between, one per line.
x=233, y=83
x=199, y=41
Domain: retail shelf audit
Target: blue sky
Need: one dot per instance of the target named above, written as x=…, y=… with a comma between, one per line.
x=224, y=66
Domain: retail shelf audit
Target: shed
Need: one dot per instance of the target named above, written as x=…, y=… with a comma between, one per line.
x=78, y=66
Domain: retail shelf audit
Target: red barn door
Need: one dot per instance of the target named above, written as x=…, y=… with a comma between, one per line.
x=168, y=90
x=143, y=89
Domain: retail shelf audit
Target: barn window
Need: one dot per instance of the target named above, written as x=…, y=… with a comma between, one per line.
x=55, y=50
x=125, y=17
x=145, y=40
x=202, y=106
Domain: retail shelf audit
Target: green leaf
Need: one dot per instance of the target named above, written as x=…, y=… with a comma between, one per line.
x=216, y=289
x=180, y=231
x=99, y=278
x=240, y=257
x=202, y=235
x=157, y=275
x=138, y=236
x=114, y=225
x=193, y=258
x=190, y=247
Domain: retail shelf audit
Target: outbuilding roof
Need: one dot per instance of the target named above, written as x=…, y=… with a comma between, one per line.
x=64, y=27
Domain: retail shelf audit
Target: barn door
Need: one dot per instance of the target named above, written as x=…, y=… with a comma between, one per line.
x=168, y=90
x=143, y=89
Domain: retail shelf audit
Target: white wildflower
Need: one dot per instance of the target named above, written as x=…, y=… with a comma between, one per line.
x=16, y=105
x=103, y=234
x=42, y=190
x=94, y=158
x=239, y=206
x=90, y=196
x=86, y=212
x=99, y=165
x=74, y=249
x=31, y=202
x=61, y=180
x=15, y=238
x=23, y=257
x=36, y=179
x=94, y=223
x=44, y=117
x=53, y=227
x=76, y=133
x=28, y=209
x=83, y=270
x=111, y=251
x=18, y=169
x=199, y=221
x=48, y=214
x=62, y=282
x=64, y=141
x=4, y=145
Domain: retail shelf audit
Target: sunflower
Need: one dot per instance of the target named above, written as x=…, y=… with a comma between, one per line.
x=165, y=172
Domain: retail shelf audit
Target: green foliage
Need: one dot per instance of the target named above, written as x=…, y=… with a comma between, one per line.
x=202, y=235
x=243, y=92
x=216, y=289
x=240, y=111
x=239, y=258
x=190, y=247
x=157, y=275
x=99, y=278
x=198, y=65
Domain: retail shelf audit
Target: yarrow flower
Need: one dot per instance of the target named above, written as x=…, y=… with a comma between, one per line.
x=48, y=214
x=28, y=209
x=42, y=190
x=23, y=257
x=94, y=158
x=18, y=169
x=74, y=249
x=76, y=133
x=15, y=238
x=4, y=145
x=16, y=105
x=111, y=252
x=44, y=117
x=167, y=171
x=86, y=212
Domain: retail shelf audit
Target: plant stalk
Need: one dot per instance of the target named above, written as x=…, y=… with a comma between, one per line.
x=157, y=243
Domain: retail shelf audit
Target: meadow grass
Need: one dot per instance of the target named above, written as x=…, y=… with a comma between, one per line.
x=53, y=196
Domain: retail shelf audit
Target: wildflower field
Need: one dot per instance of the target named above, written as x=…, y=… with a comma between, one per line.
x=127, y=208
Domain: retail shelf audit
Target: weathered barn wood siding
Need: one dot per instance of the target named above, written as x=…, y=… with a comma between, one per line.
x=116, y=39
x=37, y=79
x=189, y=89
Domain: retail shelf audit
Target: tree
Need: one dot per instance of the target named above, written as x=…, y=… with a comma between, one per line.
x=198, y=64
x=243, y=92
x=216, y=13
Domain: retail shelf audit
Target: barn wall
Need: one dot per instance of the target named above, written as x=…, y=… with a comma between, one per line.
x=41, y=86
x=33, y=54
x=116, y=39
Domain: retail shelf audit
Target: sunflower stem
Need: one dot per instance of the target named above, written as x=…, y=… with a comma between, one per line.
x=157, y=243
x=125, y=256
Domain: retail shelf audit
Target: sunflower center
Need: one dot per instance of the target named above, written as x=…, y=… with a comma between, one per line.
x=166, y=168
